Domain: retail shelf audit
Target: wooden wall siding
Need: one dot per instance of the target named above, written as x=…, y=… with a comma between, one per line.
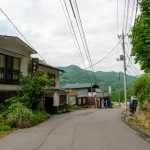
x=90, y=100
x=62, y=99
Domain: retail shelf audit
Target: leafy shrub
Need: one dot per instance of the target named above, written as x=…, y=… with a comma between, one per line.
x=70, y=110
x=19, y=116
x=76, y=107
x=33, y=88
x=143, y=121
x=4, y=127
x=59, y=112
x=141, y=89
x=2, y=107
x=64, y=111
x=130, y=119
x=69, y=106
x=38, y=117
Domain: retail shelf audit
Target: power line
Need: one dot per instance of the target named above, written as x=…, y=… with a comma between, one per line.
x=127, y=14
x=106, y=55
x=131, y=73
x=86, y=49
x=131, y=16
x=117, y=18
x=132, y=64
x=19, y=32
x=79, y=29
x=82, y=30
x=15, y=27
x=75, y=35
x=136, y=11
x=110, y=66
x=124, y=15
x=130, y=22
x=72, y=9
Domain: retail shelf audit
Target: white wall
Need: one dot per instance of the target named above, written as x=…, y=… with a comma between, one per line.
x=4, y=87
x=91, y=94
x=13, y=48
x=52, y=71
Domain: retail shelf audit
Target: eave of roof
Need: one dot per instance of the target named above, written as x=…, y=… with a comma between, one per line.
x=80, y=86
x=8, y=51
x=20, y=41
x=49, y=66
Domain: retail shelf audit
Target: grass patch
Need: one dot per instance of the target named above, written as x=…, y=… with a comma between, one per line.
x=4, y=130
x=59, y=112
x=3, y=133
x=131, y=120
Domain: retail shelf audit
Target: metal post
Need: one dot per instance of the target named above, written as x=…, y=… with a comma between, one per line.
x=124, y=60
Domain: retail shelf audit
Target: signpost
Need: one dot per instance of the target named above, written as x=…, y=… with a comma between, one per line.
x=35, y=63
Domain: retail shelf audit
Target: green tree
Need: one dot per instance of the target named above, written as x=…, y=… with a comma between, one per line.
x=115, y=96
x=140, y=36
x=141, y=89
x=33, y=88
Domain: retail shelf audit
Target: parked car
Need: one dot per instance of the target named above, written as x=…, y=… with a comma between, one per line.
x=132, y=105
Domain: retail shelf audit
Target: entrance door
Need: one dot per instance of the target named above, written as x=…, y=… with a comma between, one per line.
x=49, y=104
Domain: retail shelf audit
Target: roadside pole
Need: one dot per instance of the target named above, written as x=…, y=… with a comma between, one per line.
x=125, y=68
x=123, y=58
x=119, y=90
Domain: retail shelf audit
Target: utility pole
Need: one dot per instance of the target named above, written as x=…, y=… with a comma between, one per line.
x=119, y=90
x=123, y=57
x=125, y=68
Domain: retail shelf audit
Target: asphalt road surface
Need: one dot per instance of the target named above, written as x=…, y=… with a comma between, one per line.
x=90, y=129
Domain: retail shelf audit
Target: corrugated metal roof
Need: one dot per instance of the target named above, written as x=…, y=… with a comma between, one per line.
x=79, y=86
x=97, y=90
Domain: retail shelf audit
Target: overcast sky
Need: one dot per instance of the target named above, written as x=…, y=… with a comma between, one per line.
x=44, y=25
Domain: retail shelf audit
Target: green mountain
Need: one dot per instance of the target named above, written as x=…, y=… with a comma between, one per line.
x=75, y=74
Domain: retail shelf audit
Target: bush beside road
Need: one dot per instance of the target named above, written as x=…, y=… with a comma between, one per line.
x=132, y=122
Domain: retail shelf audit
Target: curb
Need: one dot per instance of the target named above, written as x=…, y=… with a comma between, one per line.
x=139, y=132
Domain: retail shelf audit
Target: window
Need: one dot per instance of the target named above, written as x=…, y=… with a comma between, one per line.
x=9, y=62
x=79, y=101
x=72, y=100
x=84, y=100
x=9, y=69
x=2, y=61
x=52, y=76
x=2, y=65
x=16, y=64
x=62, y=99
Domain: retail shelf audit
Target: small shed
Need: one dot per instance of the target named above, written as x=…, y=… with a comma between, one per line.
x=83, y=91
x=104, y=98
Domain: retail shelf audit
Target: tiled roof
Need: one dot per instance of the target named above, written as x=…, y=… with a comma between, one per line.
x=80, y=86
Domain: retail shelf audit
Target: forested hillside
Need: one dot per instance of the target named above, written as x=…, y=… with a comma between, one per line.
x=75, y=74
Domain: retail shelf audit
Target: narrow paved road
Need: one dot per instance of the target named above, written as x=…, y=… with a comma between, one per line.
x=91, y=129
